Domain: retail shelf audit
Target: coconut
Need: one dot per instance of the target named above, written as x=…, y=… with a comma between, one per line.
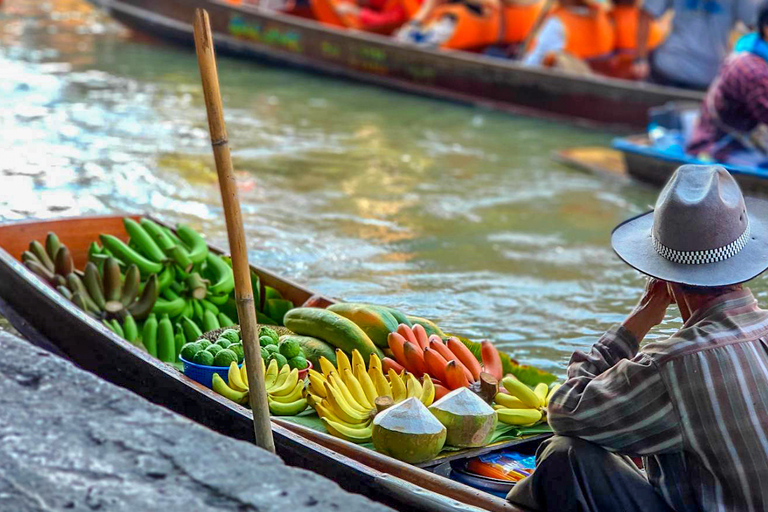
x=408, y=432
x=469, y=420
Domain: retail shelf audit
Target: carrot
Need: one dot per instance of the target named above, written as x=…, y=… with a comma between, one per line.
x=491, y=360
x=435, y=363
x=407, y=333
x=441, y=349
x=465, y=356
x=388, y=363
x=440, y=391
x=421, y=336
x=396, y=343
x=414, y=360
x=454, y=376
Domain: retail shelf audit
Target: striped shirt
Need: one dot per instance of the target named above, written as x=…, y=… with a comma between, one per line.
x=694, y=406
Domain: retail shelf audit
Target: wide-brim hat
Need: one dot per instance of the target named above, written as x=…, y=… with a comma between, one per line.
x=702, y=231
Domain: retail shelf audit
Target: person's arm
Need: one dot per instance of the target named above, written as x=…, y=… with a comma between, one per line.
x=648, y=11
x=616, y=398
x=757, y=97
x=551, y=39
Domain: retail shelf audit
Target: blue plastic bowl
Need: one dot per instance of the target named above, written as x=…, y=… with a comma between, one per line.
x=204, y=374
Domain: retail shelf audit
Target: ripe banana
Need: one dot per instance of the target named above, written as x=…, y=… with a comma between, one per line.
x=337, y=384
x=288, y=384
x=509, y=401
x=281, y=376
x=342, y=361
x=356, y=434
x=366, y=383
x=289, y=409
x=412, y=386
x=380, y=381
x=355, y=389
x=244, y=373
x=270, y=376
x=521, y=417
x=342, y=408
x=357, y=359
x=428, y=391
x=399, y=392
x=326, y=367
x=374, y=362
x=293, y=395
x=522, y=392
x=541, y=390
x=221, y=387
x=317, y=383
x=235, y=378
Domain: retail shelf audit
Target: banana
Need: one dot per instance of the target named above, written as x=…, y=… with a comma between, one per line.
x=326, y=366
x=149, y=335
x=324, y=411
x=170, y=234
x=221, y=387
x=62, y=263
x=65, y=292
x=342, y=361
x=209, y=306
x=374, y=362
x=181, y=257
x=141, y=308
x=412, y=386
x=38, y=250
x=195, y=244
x=93, y=285
x=131, y=285
x=221, y=275
x=122, y=252
x=290, y=409
x=28, y=256
x=77, y=299
x=93, y=250
x=191, y=331
x=541, y=390
x=117, y=328
x=342, y=409
x=521, y=391
x=296, y=393
x=343, y=390
x=159, y=236
x=166, y=345
x=210, y=322
x=166, y=278
x=143, y=241
x=288, y=384
x=235, y=379
x=224, y=320
x=282, y=376
x=366, y=383
x=189, y=310
x=218, y=300
x=40, y=270
x=427, y=391
x=521, y=417
x=551, y=392
x=270, y=376
x=357, y=359
x=509, y=401
x=52, y=245
x=380, y=381
x=348, y=433
x=113, y=284
x=355, y=389
x=317, y=383
x=244, y=373
x=130, y=329
x=399, y=393
x=76, y=285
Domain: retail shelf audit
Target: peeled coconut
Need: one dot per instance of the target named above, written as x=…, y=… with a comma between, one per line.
x=408, y=432
x=470, y=421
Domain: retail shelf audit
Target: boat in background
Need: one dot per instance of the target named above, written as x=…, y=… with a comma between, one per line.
x=47, y=319
x=464, y=77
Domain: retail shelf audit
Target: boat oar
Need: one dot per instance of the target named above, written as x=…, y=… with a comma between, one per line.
x=246, y=310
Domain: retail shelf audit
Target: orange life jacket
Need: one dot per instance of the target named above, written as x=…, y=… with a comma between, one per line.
x=625, y=19
x=325, y=12
x=519, y=20
x=587, y=36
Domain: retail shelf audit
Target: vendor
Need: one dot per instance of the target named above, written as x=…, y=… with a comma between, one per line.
x=737, y=103
x=694, y=406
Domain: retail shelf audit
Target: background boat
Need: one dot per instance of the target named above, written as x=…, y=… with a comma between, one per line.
x=458, y=76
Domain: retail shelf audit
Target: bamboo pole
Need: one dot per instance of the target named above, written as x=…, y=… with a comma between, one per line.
x=246, y=311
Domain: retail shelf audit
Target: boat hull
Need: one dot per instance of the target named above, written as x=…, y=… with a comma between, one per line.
x=458, y=76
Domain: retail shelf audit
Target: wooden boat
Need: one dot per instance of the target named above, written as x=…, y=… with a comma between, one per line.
x=453, y=75
x=634, y=157
x=46, y=318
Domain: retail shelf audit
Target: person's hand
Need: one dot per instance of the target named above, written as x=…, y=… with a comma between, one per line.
x=641, y=69
x=651, y=309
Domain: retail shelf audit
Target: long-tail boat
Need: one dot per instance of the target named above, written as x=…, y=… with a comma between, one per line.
x=48, y=319
x=464, y=77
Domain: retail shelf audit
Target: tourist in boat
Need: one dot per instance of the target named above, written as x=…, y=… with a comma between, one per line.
x=693, y=405
x=697, y=43
x=438, y=24
x=625, y=16
x=736, y=104
x=381, y=16
x=576, y=29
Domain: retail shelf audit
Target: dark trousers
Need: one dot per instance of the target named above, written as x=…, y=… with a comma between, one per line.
x=573, y=474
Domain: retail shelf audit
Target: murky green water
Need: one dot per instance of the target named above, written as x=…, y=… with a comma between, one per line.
x=449, y=212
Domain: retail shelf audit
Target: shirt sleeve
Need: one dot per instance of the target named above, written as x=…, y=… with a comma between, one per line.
x=551, y=39
x=617, y=399
x=656, y=8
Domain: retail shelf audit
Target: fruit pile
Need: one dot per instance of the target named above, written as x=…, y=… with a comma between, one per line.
x=520, y=405
x=227, y=349
x=285, y=352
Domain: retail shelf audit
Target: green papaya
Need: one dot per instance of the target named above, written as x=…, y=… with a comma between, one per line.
x=376, y=322
x=399, y=315
x=331, y=328
x=428, y=325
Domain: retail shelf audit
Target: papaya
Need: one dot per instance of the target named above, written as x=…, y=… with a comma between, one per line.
x=331, y=328
x=428, y=325
x=399, y=315
x=377, y=323
x=313, y=348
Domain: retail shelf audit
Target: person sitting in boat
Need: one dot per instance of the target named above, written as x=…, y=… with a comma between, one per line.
x=698, y=41
x=576, y=29
x=625, y=15
x=381, y=16
x=695, y=405
x=736, y=104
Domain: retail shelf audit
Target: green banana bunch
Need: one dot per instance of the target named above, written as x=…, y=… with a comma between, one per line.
x=51, y=262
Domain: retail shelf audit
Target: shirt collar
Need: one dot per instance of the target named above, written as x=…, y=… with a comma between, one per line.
x=722, y=303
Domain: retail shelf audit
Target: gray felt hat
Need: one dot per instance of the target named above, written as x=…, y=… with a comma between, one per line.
x=702, y=231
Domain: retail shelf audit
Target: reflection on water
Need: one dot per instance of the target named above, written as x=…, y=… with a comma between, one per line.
x=449, y=212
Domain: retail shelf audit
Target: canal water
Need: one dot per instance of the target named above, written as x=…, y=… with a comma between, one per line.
x=448, y=212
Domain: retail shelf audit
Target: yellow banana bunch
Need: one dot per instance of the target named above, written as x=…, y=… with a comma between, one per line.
x=285, y=391
x=522, y=405
x=344, y=395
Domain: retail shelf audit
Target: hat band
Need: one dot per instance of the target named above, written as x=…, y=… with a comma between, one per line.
x=702, y=257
